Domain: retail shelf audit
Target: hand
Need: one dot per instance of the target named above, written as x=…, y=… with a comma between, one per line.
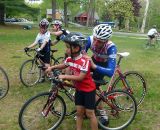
x=48, y=70
x=26, y=49
x=38, y=49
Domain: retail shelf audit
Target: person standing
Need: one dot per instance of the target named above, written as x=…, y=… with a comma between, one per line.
x=103, y=55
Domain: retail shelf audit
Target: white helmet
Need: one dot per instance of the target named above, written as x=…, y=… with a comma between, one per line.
x=102, y=31
x=44, y=23
x=57, y=22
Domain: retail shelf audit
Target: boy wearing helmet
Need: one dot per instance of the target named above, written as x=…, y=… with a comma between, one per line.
x=43, y=41
x=103, y=55
x=85, y=86
x=58, y=31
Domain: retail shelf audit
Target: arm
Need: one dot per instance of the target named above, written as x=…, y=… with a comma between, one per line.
x=88, y=44
x=79, y=77
x=32, y=45
x=59, y=66
x=57, y=33
x=111, y=63
x=53, y=43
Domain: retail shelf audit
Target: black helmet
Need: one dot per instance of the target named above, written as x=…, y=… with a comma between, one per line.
x=75, y=39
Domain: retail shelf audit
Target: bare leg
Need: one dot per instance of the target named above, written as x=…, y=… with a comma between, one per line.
x=80, y=115
x=93, y=120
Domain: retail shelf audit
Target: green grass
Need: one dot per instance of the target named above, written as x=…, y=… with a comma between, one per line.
x=14, y=39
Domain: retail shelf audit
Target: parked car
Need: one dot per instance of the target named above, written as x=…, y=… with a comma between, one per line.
x=112, y=24
x=11, y=20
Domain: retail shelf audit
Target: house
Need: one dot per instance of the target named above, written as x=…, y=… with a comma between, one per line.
x=81, y=18
x=59, y=14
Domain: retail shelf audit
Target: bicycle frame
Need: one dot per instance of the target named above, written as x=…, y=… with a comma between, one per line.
x=119, y=72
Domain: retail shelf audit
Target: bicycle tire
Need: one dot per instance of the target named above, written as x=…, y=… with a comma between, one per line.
x=70, y=104
x=4, y=83
x=31, y=75
x=137, y=84
x=118, y=118
x=31, y=117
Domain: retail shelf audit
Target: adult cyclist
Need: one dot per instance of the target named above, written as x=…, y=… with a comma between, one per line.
x=43, y=40
x=104, y=55
x=152, y=33
x=58, y=31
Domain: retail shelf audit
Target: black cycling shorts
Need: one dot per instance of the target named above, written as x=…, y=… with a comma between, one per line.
x=151, y=36
x=86, y=99
x=46, y=57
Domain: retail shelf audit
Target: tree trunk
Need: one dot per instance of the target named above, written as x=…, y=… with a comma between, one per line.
x=65, y=14
x=91, y=9
x=2, y=13
x=127, y=24
x=53, y=10
x=145, y=17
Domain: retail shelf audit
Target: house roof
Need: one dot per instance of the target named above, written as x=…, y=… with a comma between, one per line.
x=49, y=11
x=85, y=14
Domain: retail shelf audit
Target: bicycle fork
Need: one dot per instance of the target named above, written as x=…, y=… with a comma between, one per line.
x=49, y=104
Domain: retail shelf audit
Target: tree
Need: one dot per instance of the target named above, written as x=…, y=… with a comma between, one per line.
x=14, y=7
x=136, y=7
x=145, y=16
x=122, y=10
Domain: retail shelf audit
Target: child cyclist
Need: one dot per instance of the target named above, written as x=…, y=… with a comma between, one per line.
x=43, y=40
x=85, y=86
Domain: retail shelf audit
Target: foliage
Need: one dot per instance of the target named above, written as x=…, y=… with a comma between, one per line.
x=136, y=5
x=15, y=8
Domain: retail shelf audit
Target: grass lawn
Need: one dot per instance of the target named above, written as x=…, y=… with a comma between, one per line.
x=146, y=61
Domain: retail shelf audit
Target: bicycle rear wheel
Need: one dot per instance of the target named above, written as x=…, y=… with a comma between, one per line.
x=31, y=115
x=30, y=73
x=136, y=85
x=4, y=83
x=120, y=108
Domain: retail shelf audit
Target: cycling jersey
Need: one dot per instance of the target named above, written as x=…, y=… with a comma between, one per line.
x=41, y=38
x=152, y=31
x=64, y=33
x=104, y=58
x=78, y=65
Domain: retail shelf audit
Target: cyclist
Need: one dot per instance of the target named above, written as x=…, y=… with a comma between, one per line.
x=43, y=40
x=104, y=55
x=85, y=86
x=152, y=33
x=58, y=31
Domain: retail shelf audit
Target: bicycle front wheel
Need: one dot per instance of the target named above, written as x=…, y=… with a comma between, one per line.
x=30, y=73
x=120, y=109
x=31, y=115
x=4, y=83
x=134, y=83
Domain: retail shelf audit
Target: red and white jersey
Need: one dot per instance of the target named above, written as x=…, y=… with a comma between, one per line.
x=78, y=65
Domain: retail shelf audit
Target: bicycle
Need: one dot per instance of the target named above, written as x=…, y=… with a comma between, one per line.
x=120, y=105
x=154, y=43
x=30, y=71
x=4, y=83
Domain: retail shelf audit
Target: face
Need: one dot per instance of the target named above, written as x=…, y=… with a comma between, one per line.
x=42, y=30
x=74, y=49
x=98, y=43
x=55, y=27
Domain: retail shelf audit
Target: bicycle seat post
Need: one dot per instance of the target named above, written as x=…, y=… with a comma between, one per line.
x=119, y=60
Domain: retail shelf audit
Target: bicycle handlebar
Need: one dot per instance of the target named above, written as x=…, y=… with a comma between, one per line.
x=37, y=52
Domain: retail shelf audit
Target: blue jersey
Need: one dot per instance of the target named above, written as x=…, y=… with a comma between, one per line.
x=104, y=58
